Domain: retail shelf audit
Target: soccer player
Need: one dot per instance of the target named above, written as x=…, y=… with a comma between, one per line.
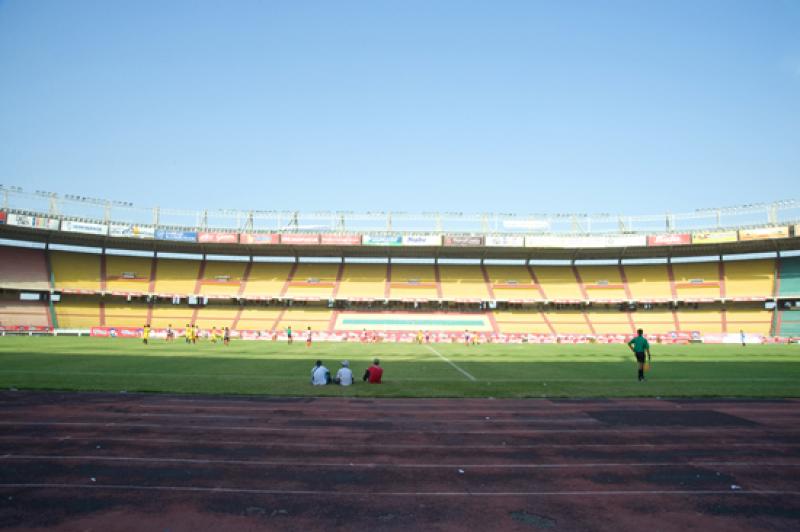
x=743, y=337
x=640, y=346
x=187, y=333
x=195, y=333
x=308, y=337
x=170, y=333
x=289, y=335
x=226, y=337
x=145, y=333
x=214, y=335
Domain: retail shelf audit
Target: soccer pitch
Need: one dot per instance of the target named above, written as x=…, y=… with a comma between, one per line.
x=434, y=370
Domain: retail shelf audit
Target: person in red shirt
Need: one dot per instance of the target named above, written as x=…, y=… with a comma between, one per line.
x=374, y=373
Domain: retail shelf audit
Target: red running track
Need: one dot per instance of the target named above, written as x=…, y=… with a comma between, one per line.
x=83, y=461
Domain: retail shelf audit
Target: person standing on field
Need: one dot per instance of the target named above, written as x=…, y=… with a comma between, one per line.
x=145, y=333
x=640, y=347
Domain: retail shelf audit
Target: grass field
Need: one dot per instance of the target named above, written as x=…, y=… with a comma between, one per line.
x=438, y=370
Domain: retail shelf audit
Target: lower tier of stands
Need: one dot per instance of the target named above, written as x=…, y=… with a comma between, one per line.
x=75, y=311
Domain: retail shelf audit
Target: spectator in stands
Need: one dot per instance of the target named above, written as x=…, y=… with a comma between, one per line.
x=344, y=376
x=320, y=376
x=373, y=373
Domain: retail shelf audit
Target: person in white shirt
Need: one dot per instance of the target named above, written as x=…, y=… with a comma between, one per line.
x=320, y=374
x=344, y=376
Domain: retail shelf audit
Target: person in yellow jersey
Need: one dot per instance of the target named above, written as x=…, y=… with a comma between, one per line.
x=187, y=333
x=145, y=333
x=213, y=335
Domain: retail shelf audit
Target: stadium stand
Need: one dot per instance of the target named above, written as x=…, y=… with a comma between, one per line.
x=313, y=281
x=177, y=276
x=125, y=313
x=128, y=274
x=216, y=315
x=221, y=279
x=516, y=322
x=789, y=277
x=603, y=283
x=648, y=282
x=463, y=282
x=268, y=279
x=558, y=283
x=753, y=320
x=78, y=312
x=363, y=281
x=512, y=283
x=749, y=279
x=16, y=313
x=23, y=269
x=414, y=281
x=697, y=280
x=258, y=318
x=655, y=321
x=76, y=271
x=789, y=323
x=300, y=318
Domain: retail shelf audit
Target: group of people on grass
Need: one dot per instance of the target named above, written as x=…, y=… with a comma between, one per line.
x=321, y=376
x=191, y=333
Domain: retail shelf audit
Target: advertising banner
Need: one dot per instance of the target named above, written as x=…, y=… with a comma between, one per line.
x=340, y=240
x=463, y=241
x=714, y=237
x=669, y=239
x=764, y=233
x=259, y=238
x=113, y=332
x=3, y=215
x=84, y=227
x=382, y=240
x=38, y=222
x=131, y=231
x=600, y=241
x=422, y=240
x=299, y=239
x=178, y=236
x=205, y=237
x=505, y=241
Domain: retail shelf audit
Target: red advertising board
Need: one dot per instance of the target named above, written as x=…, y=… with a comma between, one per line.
x=3, y=216
x=669, y=239
x=259, y=238
x=122, y=332
x=299, y=239
x=463, y=241
x=217, y=238
x=340, y=240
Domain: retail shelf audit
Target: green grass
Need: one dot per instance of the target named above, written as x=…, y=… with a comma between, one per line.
x=522, y=370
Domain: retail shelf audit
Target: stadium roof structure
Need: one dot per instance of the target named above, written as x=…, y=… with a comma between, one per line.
x=49, y=218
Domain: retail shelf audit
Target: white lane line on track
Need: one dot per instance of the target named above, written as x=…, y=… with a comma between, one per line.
x=372, y=494
x=600, y=429
x=721, y=444
x=463, y=372
x=380, y=465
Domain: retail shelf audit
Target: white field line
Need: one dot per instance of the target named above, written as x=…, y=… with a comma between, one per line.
x=463, y=372
x=715, y=444
x=372, y=494
x=214, y=428
x=379, y=465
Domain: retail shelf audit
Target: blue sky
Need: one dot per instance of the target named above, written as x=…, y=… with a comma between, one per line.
x=613, y=106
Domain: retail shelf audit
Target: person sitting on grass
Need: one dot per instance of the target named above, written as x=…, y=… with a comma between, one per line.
x=320, y=376
x=373, y=373
x=344, y=376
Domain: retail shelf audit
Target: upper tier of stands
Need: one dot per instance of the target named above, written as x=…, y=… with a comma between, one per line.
x=27, y=269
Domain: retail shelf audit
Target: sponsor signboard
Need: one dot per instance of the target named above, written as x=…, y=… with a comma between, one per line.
x=38, y=222
x=340, y=240
x=463, y=241
x=299, y=239
x=131, y=231
x=259, y=238
x=714, y=237
x=205, y=237
x=179, y=236
x=84, y=227
x=3, y=215
x=763, y=233
x=669, y=239
x=422, y=240
x=113, y=332
x=599, y=241
x=505, y=241
x=382, y=240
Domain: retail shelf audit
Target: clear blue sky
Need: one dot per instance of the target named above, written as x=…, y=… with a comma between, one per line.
x=561, y=106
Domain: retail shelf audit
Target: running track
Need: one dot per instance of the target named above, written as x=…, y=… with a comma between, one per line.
x=83, y=461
